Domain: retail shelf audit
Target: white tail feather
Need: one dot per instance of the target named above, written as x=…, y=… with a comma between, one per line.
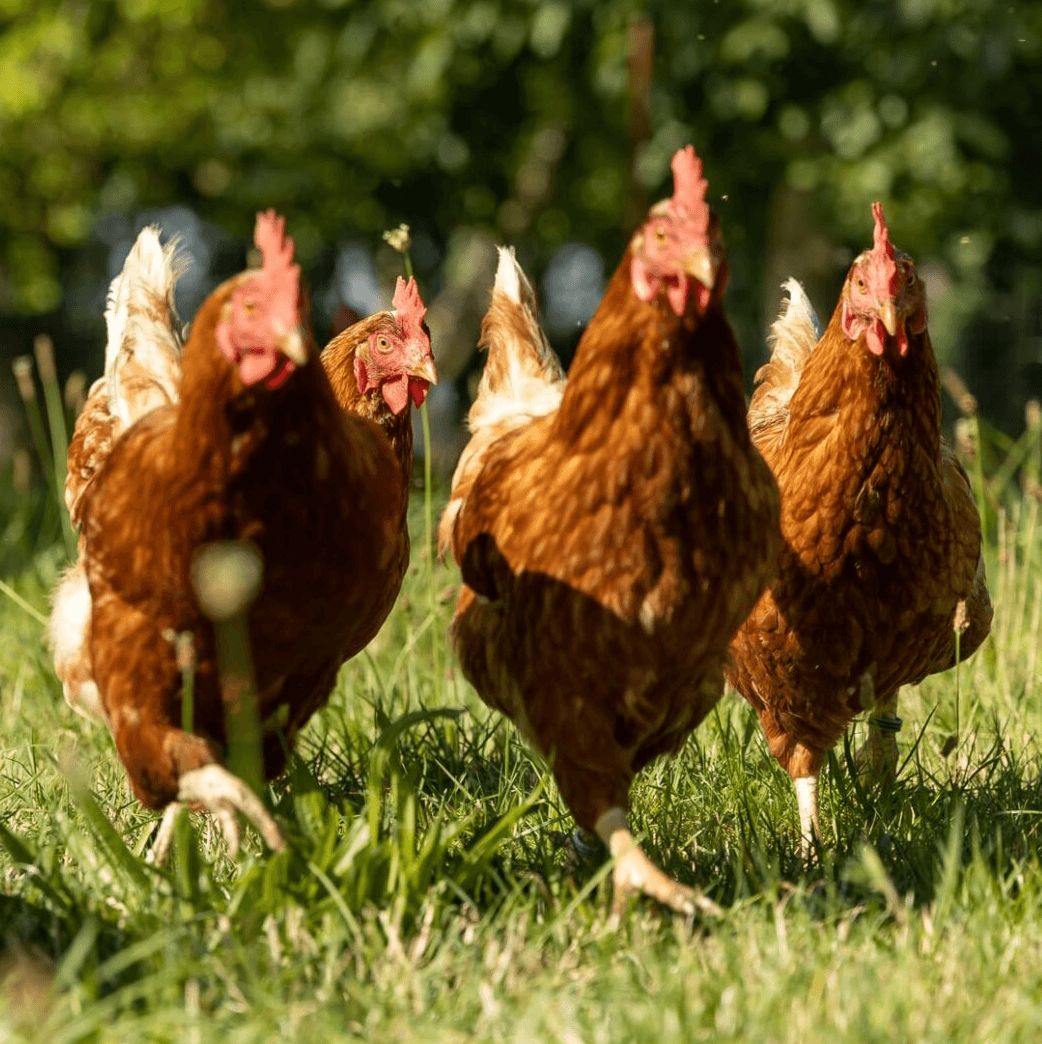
x=792, y=338
x=143, y=352
x=523, y=378
x=798, y=322
x=522, y=381
x=507, y=279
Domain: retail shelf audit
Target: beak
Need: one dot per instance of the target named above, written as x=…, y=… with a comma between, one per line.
x=888, y=317
x=701, y=265
x=424, y=370
x=292, y=346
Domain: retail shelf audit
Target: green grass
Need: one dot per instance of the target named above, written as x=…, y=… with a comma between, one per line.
x=430, y=893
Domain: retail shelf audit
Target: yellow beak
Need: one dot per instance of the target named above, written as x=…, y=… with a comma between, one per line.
x=424, y=370
x=291, y=344
x=888, y=317
x=701, y=265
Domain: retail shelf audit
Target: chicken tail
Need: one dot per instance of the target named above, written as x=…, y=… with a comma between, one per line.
x=143, y=352
x=523, y=377
x=523, y=380
x=794, y=335
x=142, y=360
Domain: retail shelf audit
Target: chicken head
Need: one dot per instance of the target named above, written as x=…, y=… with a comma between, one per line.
x=396, y=356
x=260, y=328
x=678, y=248
x=883, y=295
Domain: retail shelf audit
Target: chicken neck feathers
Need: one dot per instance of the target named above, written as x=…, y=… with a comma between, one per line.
x=338, y=361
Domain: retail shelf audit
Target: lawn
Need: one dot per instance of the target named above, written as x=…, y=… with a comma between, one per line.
x=431, y=891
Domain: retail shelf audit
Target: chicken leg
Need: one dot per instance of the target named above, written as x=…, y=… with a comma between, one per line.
x=635, y=873
x=877, y=757
x=215, y=789
x=810, y=824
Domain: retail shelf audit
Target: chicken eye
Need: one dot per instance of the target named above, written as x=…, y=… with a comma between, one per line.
x=383, y=344
x=249, y=306
x=660, y=234
x=909, y=275
x=860, y=284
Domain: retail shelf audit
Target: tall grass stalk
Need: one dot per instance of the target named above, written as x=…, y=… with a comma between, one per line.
x=399, y=240
x=22, y=368
x=22, y=603
x=959, y=627
x=43, y=348
x=428, y=542
x=980, y=488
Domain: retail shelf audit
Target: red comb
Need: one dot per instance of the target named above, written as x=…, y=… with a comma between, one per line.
x=409, y=307
x=689, y=187
x=882, y=257
x=271, y=241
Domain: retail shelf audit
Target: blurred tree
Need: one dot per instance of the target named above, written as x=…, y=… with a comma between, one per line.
x=515, y=116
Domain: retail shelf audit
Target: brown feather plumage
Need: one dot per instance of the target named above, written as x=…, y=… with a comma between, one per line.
x=881, y=536
x=338, y=359
x=285, y=468
x=610, y=547
x=386, y=581
x=89, y=447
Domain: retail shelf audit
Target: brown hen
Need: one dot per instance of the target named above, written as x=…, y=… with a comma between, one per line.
x=377, y=367
x=249, y=443
x=614, y=531
x=882, y=541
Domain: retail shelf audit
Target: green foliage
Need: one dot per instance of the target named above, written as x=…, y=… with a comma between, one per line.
x=514, y=114
x=429, y=891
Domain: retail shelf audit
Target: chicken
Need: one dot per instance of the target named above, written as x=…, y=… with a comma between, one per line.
x=142, y=371
x=612, y=532
x=881, y=569
x=376, y=367
x=237, y=437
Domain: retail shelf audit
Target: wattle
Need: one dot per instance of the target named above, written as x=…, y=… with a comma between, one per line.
x=875, y=336
x=418, y=390
x=396, y=393
x=676, y=292
x=283, y=368
x=256, y=366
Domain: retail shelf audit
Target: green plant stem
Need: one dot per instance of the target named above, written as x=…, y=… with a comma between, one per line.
x=59, y=448
x=428, y=514
x=43, y=453
x=23, y=604
x=241, y=710
x=980, y=486
x=428, y=538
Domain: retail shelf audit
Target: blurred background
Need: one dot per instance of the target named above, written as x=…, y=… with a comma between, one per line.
x=547, y=124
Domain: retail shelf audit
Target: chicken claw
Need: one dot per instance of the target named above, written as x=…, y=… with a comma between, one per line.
x=635, y=873
x=160, y=850
x=222, y=795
